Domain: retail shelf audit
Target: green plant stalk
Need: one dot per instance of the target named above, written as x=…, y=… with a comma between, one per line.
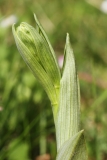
x=62, y=90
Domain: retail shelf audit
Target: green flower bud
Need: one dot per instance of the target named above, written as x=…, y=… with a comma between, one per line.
x=38, y=54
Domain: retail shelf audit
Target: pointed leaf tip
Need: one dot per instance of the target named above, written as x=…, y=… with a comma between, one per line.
x=35, y=17
x=74, y=148
x=67, y=38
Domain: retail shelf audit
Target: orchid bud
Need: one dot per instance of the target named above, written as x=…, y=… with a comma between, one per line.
x=38, y=54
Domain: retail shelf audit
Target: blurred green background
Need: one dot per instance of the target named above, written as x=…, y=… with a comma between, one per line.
x=26, y=120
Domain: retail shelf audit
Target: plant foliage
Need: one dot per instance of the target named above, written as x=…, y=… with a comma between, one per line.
x=37, y=52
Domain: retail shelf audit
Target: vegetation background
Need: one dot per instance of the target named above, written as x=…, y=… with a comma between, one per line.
x=26, y=120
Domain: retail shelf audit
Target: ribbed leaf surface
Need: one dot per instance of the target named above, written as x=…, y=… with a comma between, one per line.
x=68, y=118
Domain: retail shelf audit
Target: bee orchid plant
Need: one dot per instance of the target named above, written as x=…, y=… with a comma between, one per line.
x=62, y=87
